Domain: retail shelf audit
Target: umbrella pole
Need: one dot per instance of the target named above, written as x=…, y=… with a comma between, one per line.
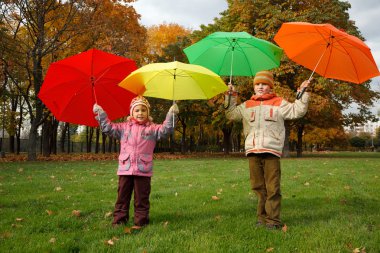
x=95, y=98
x=230, y=82
x=232, y=61
x=300, y=93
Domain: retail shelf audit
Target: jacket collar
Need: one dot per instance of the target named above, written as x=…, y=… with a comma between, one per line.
x=263, y=97
x=134, y=121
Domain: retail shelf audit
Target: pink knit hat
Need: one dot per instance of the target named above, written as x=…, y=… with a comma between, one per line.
x=139, y=100
x=264, y=77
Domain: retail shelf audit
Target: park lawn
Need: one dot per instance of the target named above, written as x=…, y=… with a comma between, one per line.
x=330, y=204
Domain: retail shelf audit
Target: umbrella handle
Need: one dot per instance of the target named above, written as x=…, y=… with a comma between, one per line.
x=228, y=101
x=300, y=93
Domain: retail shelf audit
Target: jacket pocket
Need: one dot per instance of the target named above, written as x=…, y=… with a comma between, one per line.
x=271, y=114
x=124, y=162
x=252, y=116
x=145, y=162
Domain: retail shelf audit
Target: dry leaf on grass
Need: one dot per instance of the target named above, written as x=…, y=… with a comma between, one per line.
x=306, y=184
x=108, y=214
x=52, y=240
x=49, y=212
x=269, y=249
x=109, y=242
x=127, y=230
x=130, y=230
x=215, y=198
x=166, y=223
x=76, y=213
x=284, y=228
x=58, y=189
x=19, y=219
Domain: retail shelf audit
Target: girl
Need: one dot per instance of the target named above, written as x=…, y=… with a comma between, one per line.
x=138, y=136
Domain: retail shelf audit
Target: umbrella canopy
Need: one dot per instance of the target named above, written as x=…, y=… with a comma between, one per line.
x=328, y=51
x=73, y=85
x=234, y=54
x=174, y=81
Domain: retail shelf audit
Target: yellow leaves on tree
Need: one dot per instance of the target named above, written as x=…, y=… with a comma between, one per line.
x=160, y=36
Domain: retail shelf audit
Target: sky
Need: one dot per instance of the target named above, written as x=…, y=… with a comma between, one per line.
x=192, y=13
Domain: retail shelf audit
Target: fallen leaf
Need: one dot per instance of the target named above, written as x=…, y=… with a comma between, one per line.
x=127, y=230
x=49, y=212
x=218, y=218
x=19, y=219
x=284, y=228
x=76, y=213
x=109, y=242
x=306, y=184
x=20, y=170
x=166, y=224
x=58, y=189
x=108, y=214
x=347, y=187
x=356, y=250
x=215, y=197
x=52, y=240
x=269, y=249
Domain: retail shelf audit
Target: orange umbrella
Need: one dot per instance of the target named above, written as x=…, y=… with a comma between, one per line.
x=328, y=51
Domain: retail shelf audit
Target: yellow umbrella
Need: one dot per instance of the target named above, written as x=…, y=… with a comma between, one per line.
x=174, y=81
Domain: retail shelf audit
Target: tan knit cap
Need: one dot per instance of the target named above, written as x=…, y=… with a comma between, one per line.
x=264, y=77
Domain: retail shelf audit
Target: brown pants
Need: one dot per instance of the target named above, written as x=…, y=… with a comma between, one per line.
x=265, y=176
x=141, y=188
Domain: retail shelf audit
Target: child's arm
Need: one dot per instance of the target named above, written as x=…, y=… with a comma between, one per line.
x=169, y=123
x=114, y=130
x=233, y=112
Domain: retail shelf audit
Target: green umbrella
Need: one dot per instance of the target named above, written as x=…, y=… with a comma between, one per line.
x=234, y=54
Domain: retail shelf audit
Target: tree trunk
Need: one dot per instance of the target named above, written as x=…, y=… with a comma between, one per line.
x=97, y=137
x=46, y=133
x=68, y=138
x=299, y=140
x=63, y=136
x=285, y=150
x=53, y=137
x=104, y=139
x=227, y=138
x=183, y=139
x=11, y=144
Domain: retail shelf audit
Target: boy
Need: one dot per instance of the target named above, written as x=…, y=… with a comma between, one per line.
x=264, y=130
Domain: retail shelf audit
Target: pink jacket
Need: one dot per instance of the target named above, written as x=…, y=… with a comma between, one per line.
x=137, y=142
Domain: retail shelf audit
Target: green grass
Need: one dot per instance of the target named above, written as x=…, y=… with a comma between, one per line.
x=330, y=204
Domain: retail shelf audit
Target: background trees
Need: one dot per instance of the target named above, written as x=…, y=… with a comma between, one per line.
x=35, y=33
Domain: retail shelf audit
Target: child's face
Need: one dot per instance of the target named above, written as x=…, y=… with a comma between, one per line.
x=262, y=88
x=140, y=113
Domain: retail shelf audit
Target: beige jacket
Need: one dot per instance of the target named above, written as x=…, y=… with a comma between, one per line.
x=263, y=120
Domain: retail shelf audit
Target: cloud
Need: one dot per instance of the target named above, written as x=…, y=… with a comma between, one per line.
x=190, y=14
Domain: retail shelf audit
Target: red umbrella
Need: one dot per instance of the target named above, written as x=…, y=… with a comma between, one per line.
x=73, y=85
